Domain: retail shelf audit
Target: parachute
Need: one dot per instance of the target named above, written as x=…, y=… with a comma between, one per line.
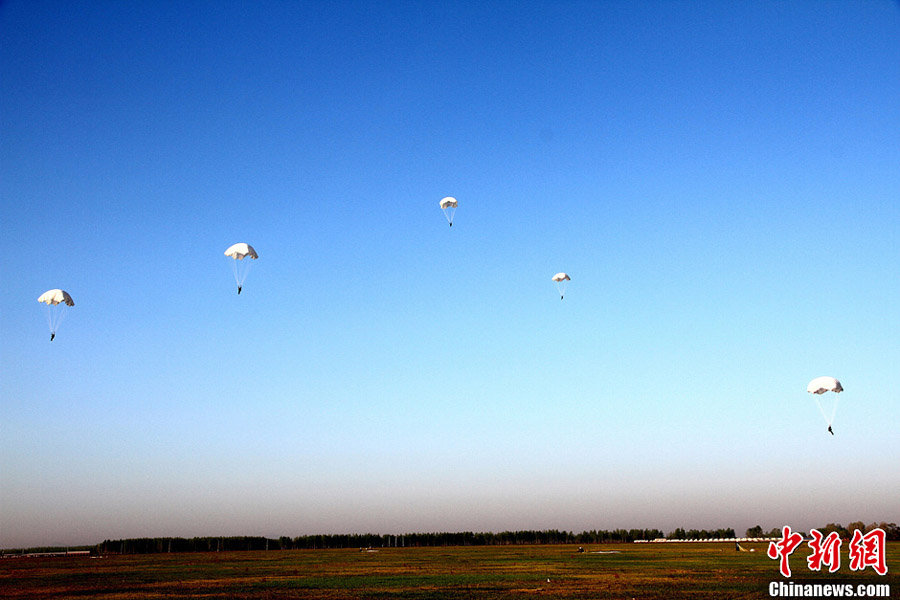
x=448, y=205
x=240, y=266
x=561, y=280
x=55, y=301
x=819, y=386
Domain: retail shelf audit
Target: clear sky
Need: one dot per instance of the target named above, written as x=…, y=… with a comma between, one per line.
x=720, y=179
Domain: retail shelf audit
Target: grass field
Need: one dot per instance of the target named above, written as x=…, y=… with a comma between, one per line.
x=637, y=571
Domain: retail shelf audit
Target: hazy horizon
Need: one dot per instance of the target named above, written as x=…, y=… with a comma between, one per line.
x=721, y=180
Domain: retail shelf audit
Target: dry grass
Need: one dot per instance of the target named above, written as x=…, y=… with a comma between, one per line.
x=638, y=571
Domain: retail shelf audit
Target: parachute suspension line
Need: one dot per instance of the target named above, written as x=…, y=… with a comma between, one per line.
x=834, y=408
x=55, y=316
x=822, y=410
x=449, y=212
x=61, y=314
x=237, y=272
x=240, y=268
x=249, y=264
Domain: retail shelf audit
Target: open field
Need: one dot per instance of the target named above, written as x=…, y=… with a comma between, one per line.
x=712, y=570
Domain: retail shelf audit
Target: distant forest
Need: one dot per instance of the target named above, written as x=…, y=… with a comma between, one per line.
x=370, y=540
x=466, y=538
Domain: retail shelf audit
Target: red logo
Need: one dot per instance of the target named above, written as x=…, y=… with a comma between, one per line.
x=825, y=552
x=866, y=550
x=784, y=548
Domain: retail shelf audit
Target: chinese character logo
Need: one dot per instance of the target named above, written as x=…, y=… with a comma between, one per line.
x=868, y=551
x=783, y=548
x=824, y=551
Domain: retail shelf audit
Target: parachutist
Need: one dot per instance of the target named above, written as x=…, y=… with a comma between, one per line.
x=819, y=386
x=240, y=253
x=448, y=205
x=561, y=279
x=55, y=301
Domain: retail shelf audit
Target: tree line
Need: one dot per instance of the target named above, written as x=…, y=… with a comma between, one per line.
x=701, y=534
x=891, y=530
x=371, y=540
x=465, y=538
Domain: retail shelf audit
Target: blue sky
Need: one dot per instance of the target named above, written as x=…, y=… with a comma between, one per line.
x=720, y=179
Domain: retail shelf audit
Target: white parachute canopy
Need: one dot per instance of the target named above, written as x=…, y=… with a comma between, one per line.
x=55, y=300
x=241, y=267
x=448, y=205
x=53, y=297
x=241, y=251
x=561, y=280
x=819, y=386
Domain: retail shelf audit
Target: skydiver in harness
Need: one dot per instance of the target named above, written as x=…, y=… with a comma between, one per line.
x=830, y=431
